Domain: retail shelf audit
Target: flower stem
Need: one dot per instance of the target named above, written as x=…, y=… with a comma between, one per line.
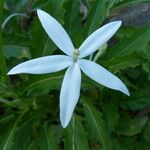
x=11, y=16
x=101, y=50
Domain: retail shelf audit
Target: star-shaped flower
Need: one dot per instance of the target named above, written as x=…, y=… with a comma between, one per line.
x=70, y=90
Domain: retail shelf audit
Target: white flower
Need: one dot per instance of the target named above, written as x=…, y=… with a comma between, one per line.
x=70, y=90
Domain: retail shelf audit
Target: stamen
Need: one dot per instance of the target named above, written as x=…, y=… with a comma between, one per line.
x=76, y=54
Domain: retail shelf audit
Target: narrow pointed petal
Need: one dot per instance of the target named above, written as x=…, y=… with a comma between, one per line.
x=98, y=38
x=42, y=65
x=69, y=94
x=56, y=32
x=102, y=76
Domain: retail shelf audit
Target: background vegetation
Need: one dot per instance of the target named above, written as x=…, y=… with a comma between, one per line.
x=104, y=119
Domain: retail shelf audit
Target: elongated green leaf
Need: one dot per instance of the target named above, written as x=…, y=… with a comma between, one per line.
x=38, y=40
x=75, y=136
x=27, y=131
x=16, y=51
x=129, y=2
x=96, y=16
x=5, y=91
x=121, y=62
x=135, y=43
x=53, y=7
x=45, y=139
x=111, y=115
x=50, y=138
x=6, y=119
x=7, y=144
x=72, y=20
x=3, y=68
x=72, y=15
x=41, y=43
x=56, y=9
x=128, y=126
x=146, y=133
x=95, y=126
x=139, y=101
x=44, y=86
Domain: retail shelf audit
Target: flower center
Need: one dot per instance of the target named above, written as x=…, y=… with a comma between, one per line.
x=76, y=54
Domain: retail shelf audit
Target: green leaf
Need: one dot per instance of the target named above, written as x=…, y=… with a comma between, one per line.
x=54, y=8
x=6, y=119
x=146, y=134
x=121, y=62
x=28, y=131
x=130, y=45
x=145, y=52
x=138, y=101
x=129, y=2
x=72, y=20
x=15, y=5
x=7, y=142
x=46, y=139
x=96, y=16
x=111, y=115
x=45, y=85
x=95, y=125
x=128, y=126
x=75, y=136
x=117, y=146
x=50, y=138
x=40, y=43
x=5, y=92
x=3, y=69
x=37, y=39
x=16, y=51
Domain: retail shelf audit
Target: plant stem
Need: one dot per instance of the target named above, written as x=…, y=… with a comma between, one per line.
x=11, y=16
x=101, y=50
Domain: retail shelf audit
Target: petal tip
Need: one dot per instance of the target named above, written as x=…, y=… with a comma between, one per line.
x=125, y=91
x=64, y=123
x=118, y=23
x=39, y=11
x=8, y=73
x=14, y=71
x=11, y=72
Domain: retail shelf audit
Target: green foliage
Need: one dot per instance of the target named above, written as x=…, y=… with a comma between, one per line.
x=41, y=87
x=72, y=21
x=75, y=136
x=95, y=126
x=97, y=14
x=122, y=3
x=121, y=62
x=104, y=119
x=136, y=42
x=16, y=51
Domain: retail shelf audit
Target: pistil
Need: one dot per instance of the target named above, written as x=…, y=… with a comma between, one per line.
x=76, y=54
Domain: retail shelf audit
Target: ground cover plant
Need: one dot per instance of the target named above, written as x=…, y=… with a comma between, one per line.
x=35, y=112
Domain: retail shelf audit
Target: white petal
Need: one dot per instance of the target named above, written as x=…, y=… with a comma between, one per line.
x=98, y=38
x=42, y=65
x=56, y=32
x=102, y=76
x=69, y=94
